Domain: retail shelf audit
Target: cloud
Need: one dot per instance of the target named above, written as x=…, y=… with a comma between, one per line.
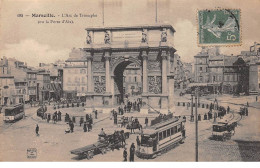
x=32, y=52
x=185, y=40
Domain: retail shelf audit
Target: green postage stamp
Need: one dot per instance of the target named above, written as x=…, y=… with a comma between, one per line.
x=219, y=27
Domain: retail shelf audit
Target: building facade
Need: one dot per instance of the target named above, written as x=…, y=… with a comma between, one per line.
x=56, y=80
x=75, y=76
x=132, y=80
x=17, y=69
x=217, y=73
x=252, y=58
x=7, y=90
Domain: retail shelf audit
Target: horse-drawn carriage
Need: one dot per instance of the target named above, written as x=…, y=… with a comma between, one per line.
x=134, y=125
x=40, y=112
x=243, y=111
x=223, y=130
x=105, y=143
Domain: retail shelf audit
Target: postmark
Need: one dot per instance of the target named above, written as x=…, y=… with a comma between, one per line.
x=31, y=153
x=219, y=27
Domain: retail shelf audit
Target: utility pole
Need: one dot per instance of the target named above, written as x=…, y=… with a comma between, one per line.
x=155, y=11
x=103, y=12
x=191, y=116
x=196, y=123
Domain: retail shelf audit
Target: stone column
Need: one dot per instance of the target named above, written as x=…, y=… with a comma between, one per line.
x=164, y=72
x=144, y=109
x=171, y=93
x=112, y=87
x=90, y=90
x=107, y=58
x=90, y=87
x=145, y=58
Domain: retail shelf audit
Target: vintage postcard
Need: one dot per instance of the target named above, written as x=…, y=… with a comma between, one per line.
x=129, y=81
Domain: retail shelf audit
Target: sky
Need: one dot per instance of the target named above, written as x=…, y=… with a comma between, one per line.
x=27, y=40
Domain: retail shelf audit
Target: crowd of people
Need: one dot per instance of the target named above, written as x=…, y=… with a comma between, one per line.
x=130, y=106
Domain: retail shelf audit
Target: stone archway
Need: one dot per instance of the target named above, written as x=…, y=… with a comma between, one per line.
x=108, y=57
x=117, y=70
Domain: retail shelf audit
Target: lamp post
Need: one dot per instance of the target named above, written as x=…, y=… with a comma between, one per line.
x=192, y=116
x=196, y=123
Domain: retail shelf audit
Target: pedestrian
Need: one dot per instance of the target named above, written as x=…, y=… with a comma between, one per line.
x=81, y=121
x=72, y=127
x=59, y=116
x=96, y=113
x=85, y=127
x=49, y=118
x=138, y=143
x=146, y=121
x=89, y=126
x=123, y=138
x=37, y=130
x=132, y=152
x=125, y=155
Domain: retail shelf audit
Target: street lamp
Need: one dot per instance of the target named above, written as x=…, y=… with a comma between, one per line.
x=192, y=116
x=196, y=122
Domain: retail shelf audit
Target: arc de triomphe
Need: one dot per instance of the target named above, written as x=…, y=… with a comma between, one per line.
x=110, y=49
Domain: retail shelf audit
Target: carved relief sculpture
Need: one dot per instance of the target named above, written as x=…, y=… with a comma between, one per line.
x=89, y=39
x=155, y=84
x=164, y=35
x=107, y=37
x=98, y=66
x=99, y=84
x=144, y=36
x=154, y=66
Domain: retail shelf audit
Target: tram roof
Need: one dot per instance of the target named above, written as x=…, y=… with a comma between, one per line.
x=154, y=128
x=14, y=106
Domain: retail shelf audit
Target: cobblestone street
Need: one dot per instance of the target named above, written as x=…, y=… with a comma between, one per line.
x=243, y=146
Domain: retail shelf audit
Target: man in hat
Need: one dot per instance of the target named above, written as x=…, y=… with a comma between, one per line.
x=125, y=155
x=37, y=130
x=132, y=152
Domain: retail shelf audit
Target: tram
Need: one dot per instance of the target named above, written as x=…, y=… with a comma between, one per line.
x=13, y=113
x=223, y=130
x=161, y=136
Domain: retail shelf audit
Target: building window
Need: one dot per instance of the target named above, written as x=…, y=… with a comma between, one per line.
x=200, y=60
x=201, y=79
x=82, y=89
x=135, y=78
x=200, y=69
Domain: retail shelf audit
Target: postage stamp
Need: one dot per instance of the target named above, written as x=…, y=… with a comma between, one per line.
x=219, y=27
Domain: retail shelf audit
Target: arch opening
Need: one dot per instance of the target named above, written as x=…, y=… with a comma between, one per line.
x=128, y=81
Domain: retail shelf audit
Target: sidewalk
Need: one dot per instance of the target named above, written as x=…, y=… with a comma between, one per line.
x=101, y=117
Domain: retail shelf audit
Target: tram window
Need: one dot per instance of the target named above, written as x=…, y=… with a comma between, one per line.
x=168, y=132
x=172, y=131
x=164, y=134
x=178, y=128
x=175, y=129
x=160, y=136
